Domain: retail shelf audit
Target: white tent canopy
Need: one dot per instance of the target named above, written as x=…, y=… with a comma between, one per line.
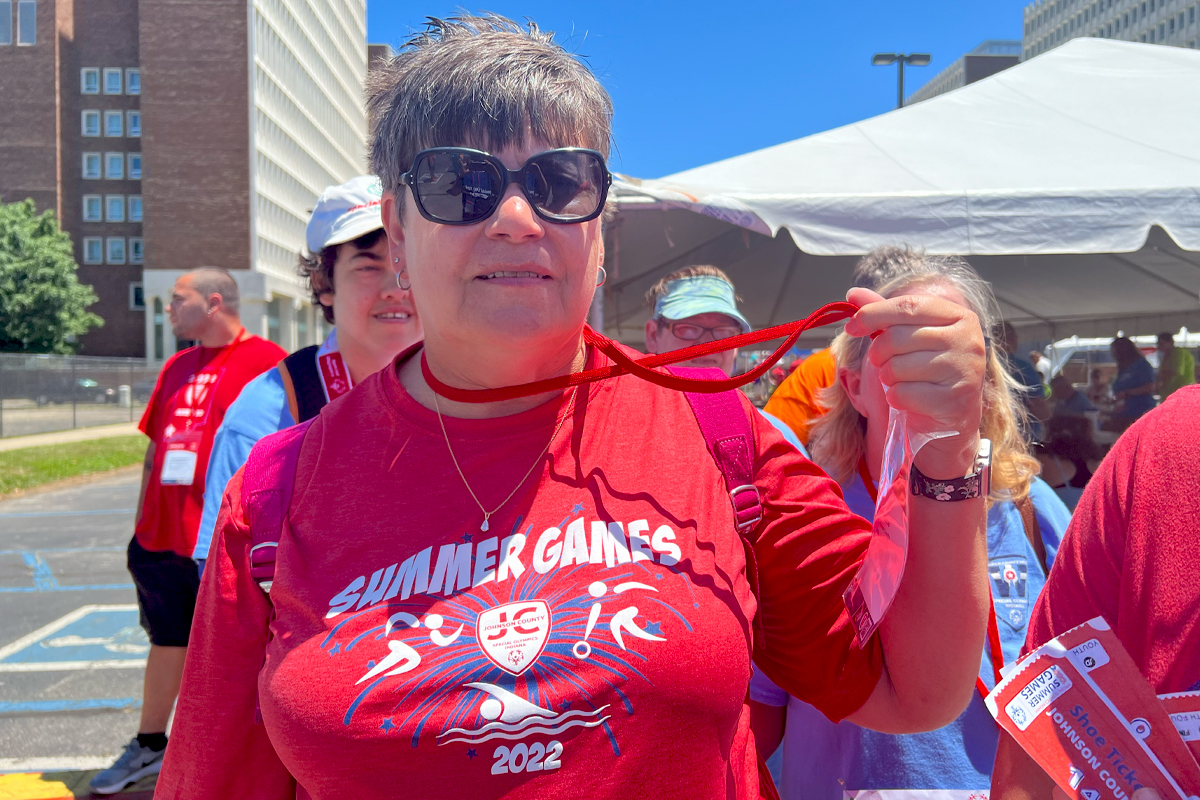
x=1072, y=181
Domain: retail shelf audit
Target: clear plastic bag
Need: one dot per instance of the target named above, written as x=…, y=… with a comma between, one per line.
x=874, y=586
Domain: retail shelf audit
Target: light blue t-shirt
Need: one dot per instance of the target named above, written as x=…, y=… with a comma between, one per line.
x=787, y=432
x=260, y=409
x=820, y=759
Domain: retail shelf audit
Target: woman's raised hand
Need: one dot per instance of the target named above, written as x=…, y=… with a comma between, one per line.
x=931, y=357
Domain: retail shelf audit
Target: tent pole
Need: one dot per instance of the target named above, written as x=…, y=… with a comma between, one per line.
x=900, y=87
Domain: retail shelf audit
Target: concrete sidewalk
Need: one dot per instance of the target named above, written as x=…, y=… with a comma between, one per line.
x=66, y=437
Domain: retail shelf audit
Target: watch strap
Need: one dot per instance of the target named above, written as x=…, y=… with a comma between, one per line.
x=944, y=491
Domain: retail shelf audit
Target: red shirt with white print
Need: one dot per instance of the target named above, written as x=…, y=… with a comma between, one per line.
x=595, y=642
x=194, y=390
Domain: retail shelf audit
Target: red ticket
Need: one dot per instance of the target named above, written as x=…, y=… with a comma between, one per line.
x=1184, y=708
x=1082, y=710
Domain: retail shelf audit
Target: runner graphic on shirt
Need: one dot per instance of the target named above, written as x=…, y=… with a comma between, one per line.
x=501, y=659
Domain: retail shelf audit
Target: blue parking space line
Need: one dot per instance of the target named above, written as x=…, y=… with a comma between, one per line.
x=26, y=514
x=53, y=706
x=100, y=587
x=43, y=578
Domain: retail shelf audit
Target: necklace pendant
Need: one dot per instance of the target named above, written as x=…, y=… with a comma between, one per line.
x=484, y=526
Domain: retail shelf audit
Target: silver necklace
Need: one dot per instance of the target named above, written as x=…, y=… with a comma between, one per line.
x=487, y=514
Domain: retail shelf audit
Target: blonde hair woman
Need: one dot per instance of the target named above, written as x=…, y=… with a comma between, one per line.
x=1026, y=520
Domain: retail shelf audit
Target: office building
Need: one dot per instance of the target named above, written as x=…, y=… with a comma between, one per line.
x=988, y=58
x=1052, y=22
x=161, y=150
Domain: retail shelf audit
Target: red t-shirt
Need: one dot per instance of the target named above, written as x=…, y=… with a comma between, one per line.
x=194, y=389
x=595, y=642
x=1132, y=552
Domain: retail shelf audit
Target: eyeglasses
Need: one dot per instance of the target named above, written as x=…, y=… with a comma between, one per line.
x=461, y=186
x=690, y=333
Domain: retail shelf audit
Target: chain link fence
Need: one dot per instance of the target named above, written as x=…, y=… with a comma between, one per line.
x=44, y=393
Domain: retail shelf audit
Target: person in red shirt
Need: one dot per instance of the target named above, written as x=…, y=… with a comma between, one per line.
x=1132, y=558
x=547, y=596
x=194, y=389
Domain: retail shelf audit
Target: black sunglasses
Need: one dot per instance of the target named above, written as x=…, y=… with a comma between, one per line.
x=461, y=186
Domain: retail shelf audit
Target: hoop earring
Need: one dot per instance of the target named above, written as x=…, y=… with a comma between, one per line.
x=404, y=287
x=601, y=275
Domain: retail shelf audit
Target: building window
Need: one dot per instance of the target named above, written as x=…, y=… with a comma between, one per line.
x=91, y=208
x=136, y=255
x=158, y=329
x=137, y=297
x=91, y=123
x=1151, y=36
x=135, y=208
x=112, y=80
x=133, y=81
x=1191, y=15
x=93, y=250
x=114, y=166
x=135, y=123
x=114, y=250
x=114, y=207
x=5, y=22
x=274, y=313
x=91, y=166
x=135, y=166
x=26, y=22
x=1162, y=31
x=112, y=123
x=1171, y=25
x=89, y=80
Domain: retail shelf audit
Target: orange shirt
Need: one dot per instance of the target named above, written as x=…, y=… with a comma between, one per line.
x=796, y=401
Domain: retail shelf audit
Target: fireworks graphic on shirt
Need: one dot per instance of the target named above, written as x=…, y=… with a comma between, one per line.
x=509, y=661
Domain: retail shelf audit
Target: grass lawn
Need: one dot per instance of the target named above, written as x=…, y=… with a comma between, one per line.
x=33, y=466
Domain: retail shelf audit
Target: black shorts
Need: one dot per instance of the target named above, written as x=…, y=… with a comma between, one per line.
x=166, y=591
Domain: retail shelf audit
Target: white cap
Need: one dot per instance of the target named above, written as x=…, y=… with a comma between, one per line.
x=344, y=213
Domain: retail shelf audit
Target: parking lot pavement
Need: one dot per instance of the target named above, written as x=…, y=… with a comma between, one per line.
x=27, y=420
x=71, y=650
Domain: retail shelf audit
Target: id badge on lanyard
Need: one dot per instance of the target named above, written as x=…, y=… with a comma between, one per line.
x=179, y=460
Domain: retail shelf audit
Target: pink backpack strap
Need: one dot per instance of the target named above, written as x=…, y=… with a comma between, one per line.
x=729, y=436
x=267, y=482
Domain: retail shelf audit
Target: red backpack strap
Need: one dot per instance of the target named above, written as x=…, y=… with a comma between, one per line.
x=267, y=482
x=730, y=438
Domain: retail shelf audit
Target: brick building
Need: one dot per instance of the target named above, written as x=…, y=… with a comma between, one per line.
x=168, y=134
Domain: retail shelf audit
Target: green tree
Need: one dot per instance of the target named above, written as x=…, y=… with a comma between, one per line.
x=43, y=306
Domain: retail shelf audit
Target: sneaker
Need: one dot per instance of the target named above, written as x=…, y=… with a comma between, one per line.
x=134, y=764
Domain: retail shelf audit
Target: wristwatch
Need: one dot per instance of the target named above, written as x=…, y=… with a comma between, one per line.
x=977, y=484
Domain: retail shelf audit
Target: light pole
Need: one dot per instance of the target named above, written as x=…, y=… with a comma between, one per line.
x=886, y=59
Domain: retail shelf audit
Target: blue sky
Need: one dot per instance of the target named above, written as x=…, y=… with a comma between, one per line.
x=696, y=82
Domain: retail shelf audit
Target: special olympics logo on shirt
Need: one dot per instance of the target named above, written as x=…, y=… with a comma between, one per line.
x=512, y=636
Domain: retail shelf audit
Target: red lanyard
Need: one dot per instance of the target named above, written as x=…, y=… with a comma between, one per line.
x=644, y=367
x=995, y=651
x=868, y=482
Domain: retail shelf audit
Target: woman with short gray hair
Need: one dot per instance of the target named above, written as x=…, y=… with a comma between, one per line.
x=547, y=596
